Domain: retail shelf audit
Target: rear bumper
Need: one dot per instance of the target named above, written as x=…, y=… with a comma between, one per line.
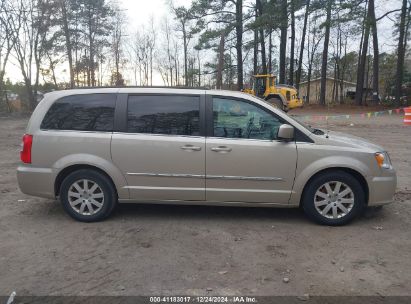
x=382, y=188
x=36, y=181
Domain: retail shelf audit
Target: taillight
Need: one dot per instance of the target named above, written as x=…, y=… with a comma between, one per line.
x=25, y=153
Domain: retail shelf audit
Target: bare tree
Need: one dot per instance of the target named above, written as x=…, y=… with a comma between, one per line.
x=65, y=20
x=363, y=58
x=261, y=38
x=220, y=65
x=283, y=39
x=301, y=55
x=401, y=52
x=30, y=26
x=182, y=16
x=376, y=59
x=325, y=52
x=117, y=46
x=6, y=41
x=292, y=47
x=312, y=47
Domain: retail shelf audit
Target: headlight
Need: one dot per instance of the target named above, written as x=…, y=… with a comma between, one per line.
x=383, y=160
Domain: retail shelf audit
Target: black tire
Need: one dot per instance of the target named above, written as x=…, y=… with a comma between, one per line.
x=317, y=182
x=106, y=189
x=276, y=102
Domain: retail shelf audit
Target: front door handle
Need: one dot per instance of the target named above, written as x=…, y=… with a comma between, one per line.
x=190, y=148
x=222, y=149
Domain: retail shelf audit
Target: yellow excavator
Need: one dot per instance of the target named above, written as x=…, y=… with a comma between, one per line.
x=284, y=97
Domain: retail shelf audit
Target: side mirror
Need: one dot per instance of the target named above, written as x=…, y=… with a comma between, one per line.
x=285, y=132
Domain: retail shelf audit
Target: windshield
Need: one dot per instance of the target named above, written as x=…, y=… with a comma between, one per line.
x=308, y=127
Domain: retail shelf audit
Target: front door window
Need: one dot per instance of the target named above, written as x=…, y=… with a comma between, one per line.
x=238, y=119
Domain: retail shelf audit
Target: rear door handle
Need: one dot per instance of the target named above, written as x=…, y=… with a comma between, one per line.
x=221, y=149
x=190, y=148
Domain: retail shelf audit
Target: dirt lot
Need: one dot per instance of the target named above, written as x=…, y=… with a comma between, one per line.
x=191, y=250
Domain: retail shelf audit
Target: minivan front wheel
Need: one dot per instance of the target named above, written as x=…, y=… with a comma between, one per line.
x=88, y=195
x=333, y=198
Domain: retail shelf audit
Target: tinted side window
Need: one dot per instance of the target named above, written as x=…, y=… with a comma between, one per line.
x=88, y=112
x=239, y=119
x=159, y=114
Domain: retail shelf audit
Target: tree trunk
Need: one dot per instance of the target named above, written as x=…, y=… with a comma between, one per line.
x=255, y=45
x=400, y=54
x=307, y=98
x=342, y=73
x=3, y=72
x=199, y=69
x=376, y=62
x=67, y=36
x=262, y=39
x=292, y=9
x=220, y=65
x=300, y=59
x=270, y=51
x=185, y=54
x=263, y=55
x=283, y=40
x=363, y=58
x=239, y=43
x=91, y=60
x=325, y=54
x=338, y=64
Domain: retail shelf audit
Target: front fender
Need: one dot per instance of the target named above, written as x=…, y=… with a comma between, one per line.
x=305, y=172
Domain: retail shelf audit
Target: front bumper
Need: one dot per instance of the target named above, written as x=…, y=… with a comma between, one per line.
x=36, y=181
x=382, y=188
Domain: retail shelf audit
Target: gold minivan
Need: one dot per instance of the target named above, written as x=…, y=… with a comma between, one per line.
x=94, y=148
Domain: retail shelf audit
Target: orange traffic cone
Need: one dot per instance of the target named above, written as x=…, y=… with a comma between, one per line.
x=407, y=116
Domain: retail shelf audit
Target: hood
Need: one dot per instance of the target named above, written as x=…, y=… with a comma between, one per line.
x=347, y=140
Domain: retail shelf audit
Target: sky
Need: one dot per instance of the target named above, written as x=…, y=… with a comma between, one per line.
x=139, y=12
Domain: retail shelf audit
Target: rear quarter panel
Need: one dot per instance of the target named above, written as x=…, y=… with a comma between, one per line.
x=59, y=149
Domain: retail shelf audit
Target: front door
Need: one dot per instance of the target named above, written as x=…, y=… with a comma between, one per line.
x=244, y=160
x=162, y=152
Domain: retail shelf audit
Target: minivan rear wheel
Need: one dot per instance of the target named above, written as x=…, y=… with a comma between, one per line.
x=333, y=198
x=88, y=195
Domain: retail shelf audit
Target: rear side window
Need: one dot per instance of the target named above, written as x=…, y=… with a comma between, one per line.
x=88, y=112
x=164, y=114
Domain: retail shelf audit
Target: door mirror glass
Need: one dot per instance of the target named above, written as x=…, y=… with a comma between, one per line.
x=286, y=132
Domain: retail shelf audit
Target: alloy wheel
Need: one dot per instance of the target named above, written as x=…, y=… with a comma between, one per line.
x=334, y=199
x=85, y=197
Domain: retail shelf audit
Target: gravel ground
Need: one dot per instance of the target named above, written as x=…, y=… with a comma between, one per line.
x=194, y=250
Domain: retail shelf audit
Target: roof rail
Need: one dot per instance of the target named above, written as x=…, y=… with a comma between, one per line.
x=142, y=87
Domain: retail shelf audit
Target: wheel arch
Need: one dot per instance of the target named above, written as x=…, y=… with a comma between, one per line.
x=72, y=168
x=356, y=174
